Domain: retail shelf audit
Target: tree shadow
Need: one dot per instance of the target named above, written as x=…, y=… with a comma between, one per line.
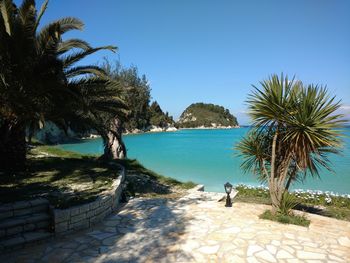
x=311, y=209
x=53, y=178
x=142, y=230
x=148, y=230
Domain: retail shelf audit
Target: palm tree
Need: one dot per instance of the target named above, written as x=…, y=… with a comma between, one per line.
x=104, y=111
x=295, y=127
x=39, y=81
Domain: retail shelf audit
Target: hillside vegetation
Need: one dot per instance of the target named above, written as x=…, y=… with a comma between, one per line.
x=158, y=117
x=206, y=115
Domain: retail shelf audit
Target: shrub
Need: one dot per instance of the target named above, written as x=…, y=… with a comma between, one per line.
x=288, y=202
x=286, y=218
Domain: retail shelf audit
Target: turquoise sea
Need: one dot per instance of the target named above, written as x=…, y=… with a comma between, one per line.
x=207, y=157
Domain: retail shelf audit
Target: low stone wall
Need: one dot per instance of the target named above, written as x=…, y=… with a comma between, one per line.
x=84, y=216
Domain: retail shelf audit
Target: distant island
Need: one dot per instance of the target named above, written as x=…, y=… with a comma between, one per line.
x=206, y=115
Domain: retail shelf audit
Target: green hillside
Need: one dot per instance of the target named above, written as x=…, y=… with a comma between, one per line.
x=207, y=115
x=158, y=117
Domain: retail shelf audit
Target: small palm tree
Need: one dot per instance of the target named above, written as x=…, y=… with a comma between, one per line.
x=295, y=127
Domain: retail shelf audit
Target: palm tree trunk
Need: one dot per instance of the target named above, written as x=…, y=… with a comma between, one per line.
x=273, y=185
x=12, y=145
x=114, y=147
x=291, y=177
x=276, y=195
x=279, y=184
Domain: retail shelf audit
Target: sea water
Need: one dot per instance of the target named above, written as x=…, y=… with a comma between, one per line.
x=208, y=157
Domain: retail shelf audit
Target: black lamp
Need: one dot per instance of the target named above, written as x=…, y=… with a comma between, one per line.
x=228, y=189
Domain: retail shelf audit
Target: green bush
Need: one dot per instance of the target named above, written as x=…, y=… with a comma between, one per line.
x=287, y=204
x=286, y=218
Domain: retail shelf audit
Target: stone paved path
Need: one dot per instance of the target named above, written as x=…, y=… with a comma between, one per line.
x=195, y=228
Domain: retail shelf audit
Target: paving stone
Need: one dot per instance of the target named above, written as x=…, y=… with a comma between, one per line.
x=231, y=230
x=104, y=249
x=110, y=241
x=111, y=222
x=288, y=249
x=58, y=255
x=100, y=235
x=209, y=249
x=252, y=249
x=190, y=245
x=344, y=241
x=282, y=254
x=335, y=258
x=293, y=260
x=310, y=255
x=252, y=260
x=276, y=242
x=110, y=229
x=272, y=249
x=265, y=255
x=72, y=245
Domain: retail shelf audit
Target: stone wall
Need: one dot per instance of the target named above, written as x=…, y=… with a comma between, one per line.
x=84, y=216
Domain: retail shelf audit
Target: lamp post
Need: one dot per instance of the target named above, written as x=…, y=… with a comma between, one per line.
x=228, y=189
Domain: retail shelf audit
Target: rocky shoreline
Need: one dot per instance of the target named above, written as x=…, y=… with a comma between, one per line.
x=211, y=128
x=151, y=129
x=156, y=129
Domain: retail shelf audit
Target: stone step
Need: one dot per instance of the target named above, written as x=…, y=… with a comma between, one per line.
x=23, y=239
x=19, y=224
x=23, y=220
x=23, y=208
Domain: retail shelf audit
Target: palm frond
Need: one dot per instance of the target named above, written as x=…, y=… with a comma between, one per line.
x=255, y=151
x=27, y=11
x=71, y=59
x=50, y=35
x=71, y=44
x=41, y=13
x=82, y=70
x=6, y=9
x=27, y=17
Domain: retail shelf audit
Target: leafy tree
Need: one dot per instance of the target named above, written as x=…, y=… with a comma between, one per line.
x=39, y=81
x=137, y=94
x=295, y=127
x=157, y=116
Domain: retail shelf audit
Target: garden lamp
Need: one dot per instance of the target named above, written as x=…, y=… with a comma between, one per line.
x=228, y=189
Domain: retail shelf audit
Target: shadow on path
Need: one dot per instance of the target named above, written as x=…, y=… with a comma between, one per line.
x=148, y=230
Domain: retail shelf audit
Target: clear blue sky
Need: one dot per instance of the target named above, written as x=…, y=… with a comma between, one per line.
x=212, y=51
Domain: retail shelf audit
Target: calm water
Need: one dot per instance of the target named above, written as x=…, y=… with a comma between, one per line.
x=207, y=157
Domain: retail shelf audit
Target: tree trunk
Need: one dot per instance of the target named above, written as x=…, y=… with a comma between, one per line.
x=291, y=177
x=276, y=195
x=113, y=143
x=273, y=181
x=12, y=145
x=278, y=186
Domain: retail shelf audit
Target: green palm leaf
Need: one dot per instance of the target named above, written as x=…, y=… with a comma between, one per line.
x=71, y=59
x=72, y=43
x=6, y=9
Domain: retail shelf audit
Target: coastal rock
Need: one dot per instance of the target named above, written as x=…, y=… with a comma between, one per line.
x=170, y=129
x=155, y=129
x=152, y=128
